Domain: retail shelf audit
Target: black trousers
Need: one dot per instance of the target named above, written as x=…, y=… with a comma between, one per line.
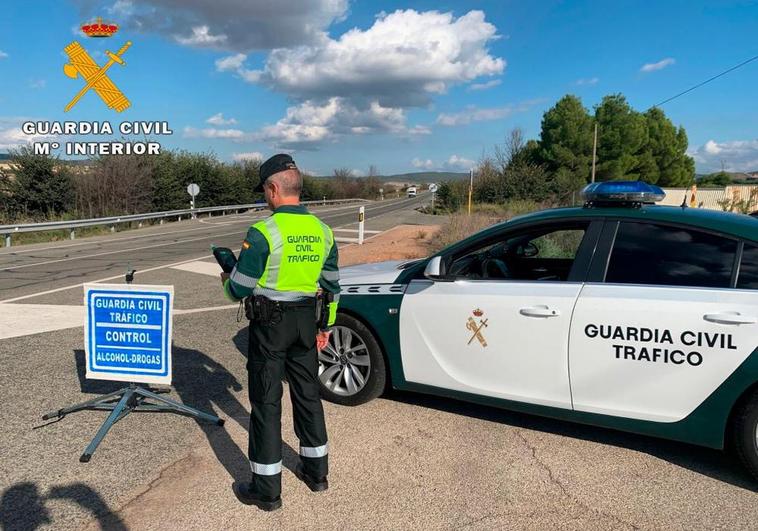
x=285, y=346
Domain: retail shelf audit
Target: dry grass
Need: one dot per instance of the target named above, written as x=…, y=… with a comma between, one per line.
x=462, y=225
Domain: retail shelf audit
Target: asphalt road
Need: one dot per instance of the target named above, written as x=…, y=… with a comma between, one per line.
x=403, y=461
x=36, y=268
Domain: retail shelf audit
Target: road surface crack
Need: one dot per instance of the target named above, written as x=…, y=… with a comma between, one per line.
x=555, y=481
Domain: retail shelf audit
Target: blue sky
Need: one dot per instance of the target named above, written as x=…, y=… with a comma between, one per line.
x=403, y=86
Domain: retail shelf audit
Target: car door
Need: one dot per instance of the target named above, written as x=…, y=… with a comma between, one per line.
x=497, y=325
x=670, y=319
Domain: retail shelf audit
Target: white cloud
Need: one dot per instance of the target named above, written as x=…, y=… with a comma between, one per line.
x=403, y=59
x=486, y=85
x=587, y=81
x=122, y=8
x=453, y=163
x=12, y=137
x=365, y=80
x=218, y=119
x=212, y=132
x=736, y=155
x=660, y=65
x=423, y=164
x=201, y=36
x=234, y=25
x=458, y=163
x=252, y=155
x=312, y=122
x=37, y=83
x=3, y=55
x=475, y=114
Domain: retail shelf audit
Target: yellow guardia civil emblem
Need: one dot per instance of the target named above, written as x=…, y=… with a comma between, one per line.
x=81, y=63
x=476, y=328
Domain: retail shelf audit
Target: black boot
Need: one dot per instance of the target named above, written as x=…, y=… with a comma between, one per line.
x=247, y=495
x=315, y=484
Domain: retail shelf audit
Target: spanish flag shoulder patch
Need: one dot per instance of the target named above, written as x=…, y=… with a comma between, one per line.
x=246, y=244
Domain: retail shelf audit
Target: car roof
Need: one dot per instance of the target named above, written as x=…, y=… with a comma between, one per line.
x=739, y=225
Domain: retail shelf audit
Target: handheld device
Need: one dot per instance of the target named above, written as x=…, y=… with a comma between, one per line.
x=225, y=258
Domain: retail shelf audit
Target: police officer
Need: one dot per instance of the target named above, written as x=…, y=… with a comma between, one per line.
x=286, y=260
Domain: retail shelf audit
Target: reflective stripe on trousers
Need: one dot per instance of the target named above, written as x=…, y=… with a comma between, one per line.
x=266, y=470
x=314, y=451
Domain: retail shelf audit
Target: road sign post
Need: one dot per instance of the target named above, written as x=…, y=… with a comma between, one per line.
x=361, y=218
x=433, y=188
x=193, y=190
x=128, y=338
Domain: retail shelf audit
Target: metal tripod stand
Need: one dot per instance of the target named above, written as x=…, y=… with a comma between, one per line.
x=127, y=399
x=123, y=402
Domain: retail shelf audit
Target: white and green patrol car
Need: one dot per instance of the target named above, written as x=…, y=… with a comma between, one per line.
x=621, y=314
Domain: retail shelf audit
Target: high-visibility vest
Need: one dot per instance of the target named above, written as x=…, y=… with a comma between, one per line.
x=298, y=247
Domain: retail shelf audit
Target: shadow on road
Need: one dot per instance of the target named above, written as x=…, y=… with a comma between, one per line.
x=203, y=383
x=22, y=508
x=712, y=463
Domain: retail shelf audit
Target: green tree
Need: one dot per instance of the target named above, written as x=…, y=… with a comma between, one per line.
x=41, y=186
x=622, y=137
x=565, y=144
x=717, y=179
x=667, y=148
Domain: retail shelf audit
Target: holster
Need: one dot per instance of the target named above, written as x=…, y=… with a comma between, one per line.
x=262, y=310
x=323, y=300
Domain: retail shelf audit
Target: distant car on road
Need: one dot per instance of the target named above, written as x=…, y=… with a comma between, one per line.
x=411, y=191
x=621, y=314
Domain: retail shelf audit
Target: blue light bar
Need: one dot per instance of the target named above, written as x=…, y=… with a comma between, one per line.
x=622, y=192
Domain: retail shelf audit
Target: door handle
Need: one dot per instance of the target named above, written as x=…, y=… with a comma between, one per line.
x=730, y=318
x=539, y=311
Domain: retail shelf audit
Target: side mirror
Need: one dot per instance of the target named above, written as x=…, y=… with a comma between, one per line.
x=434, y=269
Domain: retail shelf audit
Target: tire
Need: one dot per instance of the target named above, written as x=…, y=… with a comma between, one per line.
x=745, y=434
x=355, y=373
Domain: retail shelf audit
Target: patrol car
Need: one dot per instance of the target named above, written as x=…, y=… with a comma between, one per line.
x=620, y=314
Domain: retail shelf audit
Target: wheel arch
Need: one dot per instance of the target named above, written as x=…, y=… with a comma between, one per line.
x=377, y=337
x=738, y=404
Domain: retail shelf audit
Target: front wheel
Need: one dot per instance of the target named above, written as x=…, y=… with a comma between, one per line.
x=351, y=368
x=745, y=434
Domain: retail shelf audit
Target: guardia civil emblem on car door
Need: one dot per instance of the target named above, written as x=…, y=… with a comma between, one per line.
x=476, y=328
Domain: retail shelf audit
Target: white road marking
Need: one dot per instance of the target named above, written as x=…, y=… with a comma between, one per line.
x=17, y=320
x=120, y=251
x=357, y=230
x=80, y=284
x=204, y=268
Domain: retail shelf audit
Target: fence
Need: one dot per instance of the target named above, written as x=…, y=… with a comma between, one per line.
x=735, y=198
x=72, y=225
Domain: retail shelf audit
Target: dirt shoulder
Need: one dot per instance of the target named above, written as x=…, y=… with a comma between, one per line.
x=403, y=242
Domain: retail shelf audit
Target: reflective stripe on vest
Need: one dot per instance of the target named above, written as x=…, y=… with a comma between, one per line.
x=299, y=244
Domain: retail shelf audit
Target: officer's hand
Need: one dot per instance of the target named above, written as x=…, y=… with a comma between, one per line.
x=322, y=340
x=224, y=276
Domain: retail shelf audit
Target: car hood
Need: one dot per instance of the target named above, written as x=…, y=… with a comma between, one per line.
x=377, y=273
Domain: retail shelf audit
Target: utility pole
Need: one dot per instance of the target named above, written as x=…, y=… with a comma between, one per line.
x=470, y=188
x=594, y=151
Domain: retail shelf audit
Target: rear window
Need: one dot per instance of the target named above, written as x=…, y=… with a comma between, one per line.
x=645, y=253
x=748, y=278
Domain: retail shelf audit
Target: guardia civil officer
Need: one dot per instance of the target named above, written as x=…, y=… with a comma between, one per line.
x=286, y=260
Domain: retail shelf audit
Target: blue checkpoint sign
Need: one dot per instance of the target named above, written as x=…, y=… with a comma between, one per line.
x=127, y=332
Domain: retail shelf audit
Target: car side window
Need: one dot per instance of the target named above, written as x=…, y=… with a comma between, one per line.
x=748, y=277
x=545, y=253
x=646, y=253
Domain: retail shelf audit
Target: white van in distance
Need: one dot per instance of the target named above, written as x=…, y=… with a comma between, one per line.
x=411, y=191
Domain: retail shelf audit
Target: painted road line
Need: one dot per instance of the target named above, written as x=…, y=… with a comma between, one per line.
x=114, y=277
x=204, y=268
x=356, y=230
x=26, y=319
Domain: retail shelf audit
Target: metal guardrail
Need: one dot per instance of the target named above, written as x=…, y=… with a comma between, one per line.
x=72, y=225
